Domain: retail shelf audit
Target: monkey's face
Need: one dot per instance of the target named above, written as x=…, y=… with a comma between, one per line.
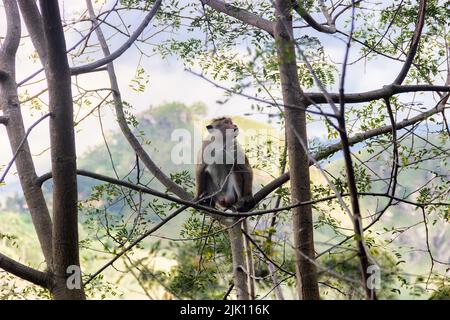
x=225, y=126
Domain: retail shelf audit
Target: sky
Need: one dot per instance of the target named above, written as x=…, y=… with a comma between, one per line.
x=168, y=82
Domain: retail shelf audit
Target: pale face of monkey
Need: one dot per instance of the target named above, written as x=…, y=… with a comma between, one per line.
x=222, y=134
x=226, y=127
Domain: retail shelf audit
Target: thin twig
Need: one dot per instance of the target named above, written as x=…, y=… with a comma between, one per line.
x=22, y=142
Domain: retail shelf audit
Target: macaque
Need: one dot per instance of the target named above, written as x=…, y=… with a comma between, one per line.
x=223, y=174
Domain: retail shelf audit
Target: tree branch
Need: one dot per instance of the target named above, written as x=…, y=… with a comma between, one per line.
x=96, y=64
x=143, y=189
x=121, y=119
x=414, y=43
x=12, y=38
x=21, y=144
x=385, y=92
x=33, y=21
x=31, y=31
x=247, y=236
x=300, y=9
x=365, y=259
x=9, y=104
x=195, y=205
x=389, y=90
x=337, y=15
x=135, y=242
x=241, y=14
x=24, y=272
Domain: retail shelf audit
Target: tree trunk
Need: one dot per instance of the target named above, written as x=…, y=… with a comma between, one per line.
x=63, y=155
x=295, y=118
x=239, y=263
x=250, y=263
x=9, y=104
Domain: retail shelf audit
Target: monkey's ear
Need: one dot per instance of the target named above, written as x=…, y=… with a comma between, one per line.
x=209, y=127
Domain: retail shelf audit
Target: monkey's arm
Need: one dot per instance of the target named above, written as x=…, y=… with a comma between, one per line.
x=203, y=187
x=200, y=181
x=248, y=179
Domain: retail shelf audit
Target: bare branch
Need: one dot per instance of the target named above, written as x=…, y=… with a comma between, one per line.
x=36, y=95
x=210, y=210
x=144, y=189
x=106, y=13
x=24, y=272
x=300, y=9
x=96, y=64
x=273, y=103
x=326, y=14
x=135, y=242
x=118, y=105
x=225, y=296
x=21, y=144
x=242, y=15
x=337, y=15
x=33, y=21
x=367, y=96
x=414, y=43
x=12, y=38
x=372, y=48
x=363, y=253
x=9, y=104
x=247, y=236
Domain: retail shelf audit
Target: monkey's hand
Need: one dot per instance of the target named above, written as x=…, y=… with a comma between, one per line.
x=205, y=200
x=245, y=204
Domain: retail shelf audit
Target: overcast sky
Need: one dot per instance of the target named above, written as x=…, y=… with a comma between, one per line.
x=168, y=82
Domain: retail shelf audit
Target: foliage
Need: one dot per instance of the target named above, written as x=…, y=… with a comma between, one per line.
x=442, y=293
x=345, y=273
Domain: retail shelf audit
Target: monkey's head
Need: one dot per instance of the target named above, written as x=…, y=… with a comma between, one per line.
x=224, y=125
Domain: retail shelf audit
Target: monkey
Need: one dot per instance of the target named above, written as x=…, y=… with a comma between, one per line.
x=223, y=173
